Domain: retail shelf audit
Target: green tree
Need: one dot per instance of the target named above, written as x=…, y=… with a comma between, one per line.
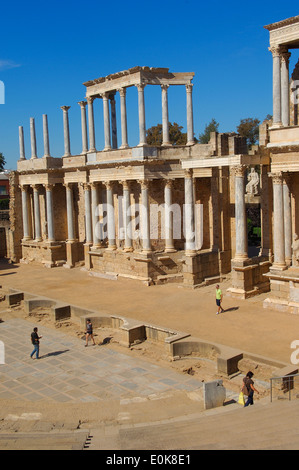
x=204, y=138
x=2, y=161
x=154, y=135
x=249, y=128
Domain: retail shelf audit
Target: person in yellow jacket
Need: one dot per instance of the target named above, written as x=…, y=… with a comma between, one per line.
x=219, y=299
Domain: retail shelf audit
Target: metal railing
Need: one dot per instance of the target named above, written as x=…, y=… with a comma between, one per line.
x=287, y=385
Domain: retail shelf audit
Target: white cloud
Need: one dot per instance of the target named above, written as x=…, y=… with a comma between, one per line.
x=8, y=64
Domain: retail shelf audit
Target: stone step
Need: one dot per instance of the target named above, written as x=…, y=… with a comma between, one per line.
x=74, y=440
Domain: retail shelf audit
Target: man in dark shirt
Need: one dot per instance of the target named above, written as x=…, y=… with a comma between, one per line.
x=35, y=341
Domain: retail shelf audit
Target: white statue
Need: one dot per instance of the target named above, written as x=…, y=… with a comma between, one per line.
x=253, y=182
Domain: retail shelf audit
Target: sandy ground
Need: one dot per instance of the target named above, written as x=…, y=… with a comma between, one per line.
x=244, y=324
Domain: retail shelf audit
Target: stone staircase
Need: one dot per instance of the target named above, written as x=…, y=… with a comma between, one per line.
x=69, y=440
x=264, y=426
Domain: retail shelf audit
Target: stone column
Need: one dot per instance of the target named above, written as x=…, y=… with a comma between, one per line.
x=66, y=131
x=276, y=86
x=88, y=218
x=165, y=119
x=287, y=213
x=92, y=141
x=285, y=90
x=110, y=216
x=37, y=224
x=113, y=123
x=123, y=116
x=25, y=213
x=168, y=215
x=21, y=143
x=46, y=136
x=240, y=214
x=105, y=97
x=127, y=216
x=33, y=139
x=278, y=229
x=145, y=217
x=82, y=105
x=190, y=129
x=95, y=216
x=50, y=212
x=189, y=214
x=70, y=212
x=141, y=114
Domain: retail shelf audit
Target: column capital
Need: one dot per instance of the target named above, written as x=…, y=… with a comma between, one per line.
x=85, y=186
x=275, y=51
x=68, y=185
x=143, y=183
x=108, y=184
x=122, y=91
x=277, y=178
x=168, y=183
x=24, y=187
x=140, y=86
x=90, y=99
x=105, y=95
x=82, y=104
x=49, y=186
x=65, y=108
x=188, y=173
x=125, y=184
x=164, y=86
x=239, y=170
x=189, y=87
x=36, y=187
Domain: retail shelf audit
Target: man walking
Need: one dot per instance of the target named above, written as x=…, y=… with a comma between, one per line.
x=219, y=299
x=35, y=341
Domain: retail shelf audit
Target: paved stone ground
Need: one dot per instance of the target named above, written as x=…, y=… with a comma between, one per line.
x=67, y=371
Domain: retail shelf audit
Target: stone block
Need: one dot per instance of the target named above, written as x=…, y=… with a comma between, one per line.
x=214, y=394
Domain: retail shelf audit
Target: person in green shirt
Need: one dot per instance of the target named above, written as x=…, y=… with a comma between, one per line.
x=219, y=299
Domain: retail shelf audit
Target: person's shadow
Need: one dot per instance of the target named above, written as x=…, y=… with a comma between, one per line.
x=54, y=353
x=230, y=309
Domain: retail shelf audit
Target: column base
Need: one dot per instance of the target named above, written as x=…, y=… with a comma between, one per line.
x=128, y=249
x=170, y=250
x=278, y=267
x=190, y=252
x=125, y=146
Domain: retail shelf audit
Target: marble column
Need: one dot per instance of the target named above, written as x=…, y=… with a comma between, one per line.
x=276, y=86
x=46, y=136
x=113, y=123
x=240, y=214
x=25, y=213
x=145, y=217
x=66, y=131
x=37, y=222
x=123, y=116
x=165, y=118
x=96, y=233
x=50, y=212
x=190, y=129
x=141, y=115
x=91, y=131
x=168, y=215
x=278, y=216
x=110, y=216
x=82, y=105
x=21, y=143
x=70, y=212
x=33, y=139
x=189, y=214
x=88, y=218
x=285, y=88
x=287, y=213
x=127, y=216
x=105, y=97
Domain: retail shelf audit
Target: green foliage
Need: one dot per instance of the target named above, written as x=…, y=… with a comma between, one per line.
x=249, y=128
x=154, y=135
x=204, y=138
x=2, y=161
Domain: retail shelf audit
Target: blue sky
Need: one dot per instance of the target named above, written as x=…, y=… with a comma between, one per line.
x=49, y=49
